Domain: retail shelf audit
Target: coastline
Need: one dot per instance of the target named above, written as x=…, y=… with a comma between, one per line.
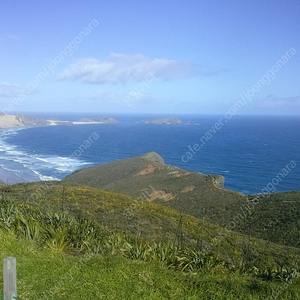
x=11, y=177
x=14, y=176
x=17, y=176
x=7, y=176
x=12, y=122
x=242, y=175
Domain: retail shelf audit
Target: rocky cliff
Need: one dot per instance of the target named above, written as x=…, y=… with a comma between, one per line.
x=7, y=121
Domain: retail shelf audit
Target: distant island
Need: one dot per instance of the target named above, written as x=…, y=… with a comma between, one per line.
x=171, y=120
x=10, y=121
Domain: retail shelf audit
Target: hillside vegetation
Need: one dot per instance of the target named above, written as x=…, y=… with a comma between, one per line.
x=74, y=241
x=148, y=177
x=273, y=217
x=147, y=222
x=48, y=274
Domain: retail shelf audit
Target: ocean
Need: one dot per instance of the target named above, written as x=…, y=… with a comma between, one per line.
x=253, y=153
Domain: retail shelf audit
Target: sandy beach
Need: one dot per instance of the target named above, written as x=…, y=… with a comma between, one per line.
x=84, y=123
x=55, y=123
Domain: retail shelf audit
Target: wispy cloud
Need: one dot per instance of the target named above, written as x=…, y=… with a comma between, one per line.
x=121, y=68
x=12, y=37
x=9, y=36
x=9, y=90
x=273, y=101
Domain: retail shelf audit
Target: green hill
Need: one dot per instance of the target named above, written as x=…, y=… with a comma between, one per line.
x=148, y=222
x=273, y=217
x=147, y=177
x=77, y=242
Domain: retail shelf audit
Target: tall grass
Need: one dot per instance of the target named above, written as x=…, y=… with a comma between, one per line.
x=77, y=235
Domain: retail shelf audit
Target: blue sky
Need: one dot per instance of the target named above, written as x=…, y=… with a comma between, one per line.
x=202, y=57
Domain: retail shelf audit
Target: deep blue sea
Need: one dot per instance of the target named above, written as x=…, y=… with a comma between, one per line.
x=249, y=151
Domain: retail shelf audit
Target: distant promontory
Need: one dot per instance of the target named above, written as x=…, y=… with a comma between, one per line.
x=8, y=121
x=11, y=121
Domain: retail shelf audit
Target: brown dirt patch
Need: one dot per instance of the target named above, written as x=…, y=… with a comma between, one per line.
x=160, y=194
x=148, y=170
x=188, y=189
x=179, y=173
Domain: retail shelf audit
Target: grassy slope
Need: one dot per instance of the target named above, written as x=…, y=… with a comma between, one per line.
x=275, y=217
x=201, y=199
x=52, y=275
x=149, y=221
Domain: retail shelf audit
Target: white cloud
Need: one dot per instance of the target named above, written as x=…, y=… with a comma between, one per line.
x=9, y=90
x=121, y=68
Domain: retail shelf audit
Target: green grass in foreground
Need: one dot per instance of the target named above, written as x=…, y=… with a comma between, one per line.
x=149, y=222
x=65, y=256
x=45, y=274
